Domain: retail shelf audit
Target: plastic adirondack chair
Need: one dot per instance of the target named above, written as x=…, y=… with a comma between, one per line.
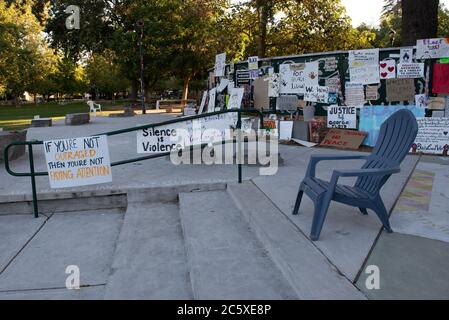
x=94, y=107
x=396, y=137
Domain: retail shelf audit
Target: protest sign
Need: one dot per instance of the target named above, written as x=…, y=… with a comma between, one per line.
x=77, y=162
x=274, y=85
x=354, y=94
x=235, y=98
x=292, y=79
x=212, y=97
x=285, y=130
x=372, y=93
x=342, y=117
x=440, y=83
x=159, y=140
x=360, y=58
x=372, y=117
x=343, y=139
x=421, y=100
x=411, y=70
x=368, y=74
x=203, y=102
x=260, y=96
x=316, y=94
x=432, y=48
x=406, y=55
x=387, y=69
x=433, y=136
x=330, y=64
x=436, y=103
x=253, y=63
x=242, y=77
x=333, y=84
x=400, y=90
x=220, y=64
x=311, y=74
x=287, y=103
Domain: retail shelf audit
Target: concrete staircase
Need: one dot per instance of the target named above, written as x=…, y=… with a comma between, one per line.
x=228, y=243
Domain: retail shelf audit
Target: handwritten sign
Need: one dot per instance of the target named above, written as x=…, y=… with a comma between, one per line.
x=360, y=58
x=295, y=77
x=342, y=117
x=372, y=93
x=432, y=48
x=287, y=103
x=220, y=64
x=344, y=139
x=78, y=161
x=411, y=70
x=212, y=98
x=316, y=94
x=354, y=94
x=274, y=83
x=433, y=136
x=400, y=90
x=158, y=140
x=235, y=98
x=368, y=74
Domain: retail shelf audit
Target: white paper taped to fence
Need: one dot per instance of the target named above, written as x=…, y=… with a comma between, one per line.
x=220, y=64
x=432, y=48
x=433, y=136
x=341, y=117
x=78, y=161
x=295, y=77
x=169, y=138
x=411, y=70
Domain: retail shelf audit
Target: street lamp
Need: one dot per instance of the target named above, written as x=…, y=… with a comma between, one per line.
x=142, y=93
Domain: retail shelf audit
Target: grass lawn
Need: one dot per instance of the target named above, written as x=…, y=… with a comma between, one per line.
x=16, y=118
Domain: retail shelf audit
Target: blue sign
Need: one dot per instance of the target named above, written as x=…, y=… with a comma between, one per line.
x=372, y=117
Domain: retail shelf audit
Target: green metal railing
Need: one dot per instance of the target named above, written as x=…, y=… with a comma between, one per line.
x=33, y=174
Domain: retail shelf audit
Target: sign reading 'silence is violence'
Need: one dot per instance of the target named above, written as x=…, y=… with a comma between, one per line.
x=78, y=161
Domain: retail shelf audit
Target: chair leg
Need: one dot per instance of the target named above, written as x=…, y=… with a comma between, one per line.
x=382, y=213
x=321, y=207
x=298, y=201
x=363, y=211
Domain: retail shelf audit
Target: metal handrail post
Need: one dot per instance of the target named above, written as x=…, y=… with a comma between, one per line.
x=33, y=180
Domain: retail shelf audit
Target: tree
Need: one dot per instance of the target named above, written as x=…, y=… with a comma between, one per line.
x=419, y=18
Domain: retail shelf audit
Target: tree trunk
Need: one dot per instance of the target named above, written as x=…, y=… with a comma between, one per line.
x=419, y=20
x=263, y=10
x=134, y=88
x=185, y=88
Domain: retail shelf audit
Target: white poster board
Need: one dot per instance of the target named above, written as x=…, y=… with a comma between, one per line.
x=354, y=94
x=296, y=76
x=316, y=94
x=341, y=117
x=285, y=130
x=220, y=64
x=411, y=70
x=432, y=48
x=406, y=55
x=364, y=66
x=212, y=98
x=387, y=69
x=78, y=162
x=253, y=63
x=203, y=102
x=235, y=98
x=433, y=135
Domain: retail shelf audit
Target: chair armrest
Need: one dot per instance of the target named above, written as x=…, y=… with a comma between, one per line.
x=314, y=159
x=366, y=172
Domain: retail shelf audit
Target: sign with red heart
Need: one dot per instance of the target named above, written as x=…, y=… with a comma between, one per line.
x=387, y=69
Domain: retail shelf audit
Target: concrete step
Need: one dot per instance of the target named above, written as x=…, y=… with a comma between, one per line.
x=225, y=258
x=149, y=261
x=307, y=270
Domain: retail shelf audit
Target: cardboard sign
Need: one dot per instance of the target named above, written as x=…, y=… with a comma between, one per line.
x=406, y=55
x=436, y=103
x=411, y=70
x=316, y=94
x=261, y=98
x=372, y=117
x=287, y=103
x=220, y=64
x=342, y=117
x=78, y=162
x=387, y=69
x=253, y=63
x=400, y=90
x=344, y=139
x=372, y=93
x=235, y=98
x=433, y=136
x=440, y=83
x=354, y=94
x=432, y=48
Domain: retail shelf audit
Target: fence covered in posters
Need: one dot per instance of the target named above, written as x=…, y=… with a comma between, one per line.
x=378, y=79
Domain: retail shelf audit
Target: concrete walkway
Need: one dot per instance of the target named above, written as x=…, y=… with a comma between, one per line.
x=161, y=231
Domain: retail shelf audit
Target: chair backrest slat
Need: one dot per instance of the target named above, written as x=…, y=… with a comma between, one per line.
x=396, y=137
